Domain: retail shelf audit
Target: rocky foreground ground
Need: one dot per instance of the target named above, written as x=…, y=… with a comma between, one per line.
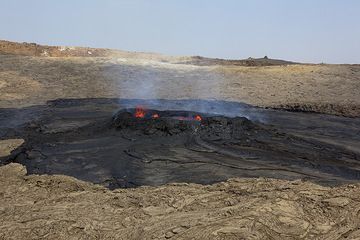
x=61, y=207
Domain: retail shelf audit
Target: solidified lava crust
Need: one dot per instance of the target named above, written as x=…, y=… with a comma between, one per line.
x=176, y=122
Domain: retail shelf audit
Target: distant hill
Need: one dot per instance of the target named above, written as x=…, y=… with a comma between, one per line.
x=33, y=49
x=36, y=50
x=203, y=61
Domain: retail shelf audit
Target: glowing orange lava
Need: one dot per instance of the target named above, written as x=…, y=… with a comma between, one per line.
x=140, y=112
x=155, y=115
x=198, y=118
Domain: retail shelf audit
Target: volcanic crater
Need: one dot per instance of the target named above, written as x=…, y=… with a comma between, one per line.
x=130, y=146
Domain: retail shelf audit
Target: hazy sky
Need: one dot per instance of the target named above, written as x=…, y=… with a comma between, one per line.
x=307, y=30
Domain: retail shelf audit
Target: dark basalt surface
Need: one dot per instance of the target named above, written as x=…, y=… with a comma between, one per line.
x=169, y=123
x=96, y=141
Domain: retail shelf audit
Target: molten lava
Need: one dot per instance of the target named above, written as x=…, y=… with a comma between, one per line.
x=140, y=112
x=198, y=118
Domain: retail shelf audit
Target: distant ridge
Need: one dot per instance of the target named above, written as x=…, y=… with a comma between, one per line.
x=203, y=61
x=36, y=50
x=33, y=49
